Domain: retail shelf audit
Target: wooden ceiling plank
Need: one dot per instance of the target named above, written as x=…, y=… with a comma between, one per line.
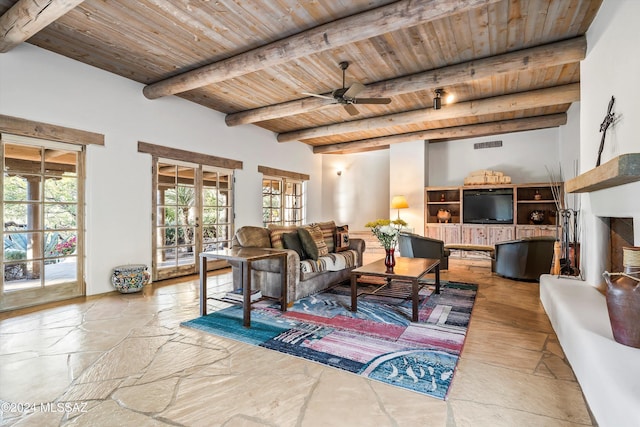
x=189, y=19
x=479, y=26
x=568, y=51
x=584, y=16
x=337, y=33
x=94, y=32
x=536, y=17
x=516, y=20
x=514, y=102
x=498, y=34
x=419, y=53
x=467, y=131
x=27, y=17
x=464, y=39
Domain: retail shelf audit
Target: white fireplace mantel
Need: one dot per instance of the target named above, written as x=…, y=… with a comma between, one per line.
x=617, y=171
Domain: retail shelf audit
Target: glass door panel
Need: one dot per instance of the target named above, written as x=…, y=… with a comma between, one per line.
x=193, y=214
x=41, y=211
x=216, y=205
x=175, y=220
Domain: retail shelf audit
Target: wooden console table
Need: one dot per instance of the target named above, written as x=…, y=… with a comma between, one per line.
x=409, y=270
x=244, y=256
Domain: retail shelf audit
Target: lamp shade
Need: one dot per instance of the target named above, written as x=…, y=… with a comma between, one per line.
x=399, y=202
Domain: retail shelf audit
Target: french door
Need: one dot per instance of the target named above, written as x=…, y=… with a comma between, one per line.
x=193, y=213
x=42, y=211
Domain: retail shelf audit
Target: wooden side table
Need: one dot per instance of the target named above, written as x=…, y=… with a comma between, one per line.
x=244, y=256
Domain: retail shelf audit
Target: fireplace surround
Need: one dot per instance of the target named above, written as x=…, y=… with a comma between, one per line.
x=607, y=191
x=607, y=371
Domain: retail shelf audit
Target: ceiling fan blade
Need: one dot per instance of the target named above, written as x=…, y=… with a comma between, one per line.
x=317, y=95
x=372, y=101
x=355, y=89
x=351, y=109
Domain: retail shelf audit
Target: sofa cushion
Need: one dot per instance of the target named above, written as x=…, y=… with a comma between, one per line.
x=313, y=241
x=292, y=241
x=328, y=233
x=330, y=262
x=342, y=238
x=276, y=231
x=253, y=237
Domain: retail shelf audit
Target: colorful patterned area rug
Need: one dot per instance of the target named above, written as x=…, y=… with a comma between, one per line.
x=378, y=341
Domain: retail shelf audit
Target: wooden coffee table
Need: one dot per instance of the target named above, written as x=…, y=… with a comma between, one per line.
x=409, y=270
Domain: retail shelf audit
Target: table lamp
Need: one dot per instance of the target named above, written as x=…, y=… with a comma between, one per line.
x=399, y=202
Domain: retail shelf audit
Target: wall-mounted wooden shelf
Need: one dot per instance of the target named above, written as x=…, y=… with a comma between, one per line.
x=618, y=171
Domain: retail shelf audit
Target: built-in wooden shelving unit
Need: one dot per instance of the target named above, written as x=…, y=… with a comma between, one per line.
x=526, y=199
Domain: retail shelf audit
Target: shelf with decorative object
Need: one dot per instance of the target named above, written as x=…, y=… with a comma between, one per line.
x=535, y=204
x=443, y=205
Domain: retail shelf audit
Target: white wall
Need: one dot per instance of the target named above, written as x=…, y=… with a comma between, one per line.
x=407, y=177
x=523, y=156
x=611, y=67
x=42, y=86
x=361, y=193
x=569, y=148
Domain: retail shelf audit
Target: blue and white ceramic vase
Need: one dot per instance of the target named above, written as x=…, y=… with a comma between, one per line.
x=130, y=278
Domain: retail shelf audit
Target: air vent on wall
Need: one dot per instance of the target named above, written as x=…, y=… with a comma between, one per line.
x=488, y=144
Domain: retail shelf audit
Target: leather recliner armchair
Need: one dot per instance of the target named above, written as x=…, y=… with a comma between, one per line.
x=523, y=259
x=416, y=246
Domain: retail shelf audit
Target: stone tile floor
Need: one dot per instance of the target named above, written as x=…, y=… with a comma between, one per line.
x=124, y=360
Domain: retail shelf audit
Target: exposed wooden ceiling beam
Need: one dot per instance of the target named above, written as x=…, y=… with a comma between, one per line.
x=564, y=52
x=556, y=95
x=468, y=131
x=27, y=17
x=384, y=19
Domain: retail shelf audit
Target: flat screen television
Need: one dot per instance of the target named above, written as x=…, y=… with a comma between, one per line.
x=488, y=206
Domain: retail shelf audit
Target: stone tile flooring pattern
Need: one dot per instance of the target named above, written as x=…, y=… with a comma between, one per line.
x=124, y=360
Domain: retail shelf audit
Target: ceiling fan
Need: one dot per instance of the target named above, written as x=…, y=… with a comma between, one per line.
x=347, y=95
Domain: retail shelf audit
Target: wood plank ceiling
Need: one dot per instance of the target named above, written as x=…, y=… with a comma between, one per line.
x=511, y=65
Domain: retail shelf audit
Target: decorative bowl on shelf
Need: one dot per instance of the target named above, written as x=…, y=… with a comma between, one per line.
x=537, y=217
x=444, y=215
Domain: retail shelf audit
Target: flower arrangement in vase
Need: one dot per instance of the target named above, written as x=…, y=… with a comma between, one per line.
x=387, y=231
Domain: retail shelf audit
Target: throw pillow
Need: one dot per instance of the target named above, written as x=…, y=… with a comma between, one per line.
x=342, y=238
x=253, y=237
x=276, y=231
x=292, y=241
x=328, y=233
x=312, y=241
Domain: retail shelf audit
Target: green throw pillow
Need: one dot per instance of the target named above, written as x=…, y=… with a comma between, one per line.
x=313, y=242
x=292, y=241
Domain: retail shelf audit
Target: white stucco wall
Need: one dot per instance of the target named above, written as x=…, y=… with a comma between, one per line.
x=361, y=193
x=42, y=86
x=523, y=156
x=407, y=177
x=611, y=68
